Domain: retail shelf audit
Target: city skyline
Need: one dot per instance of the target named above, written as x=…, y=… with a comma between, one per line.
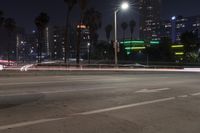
x=149, y=28
x=56, y=10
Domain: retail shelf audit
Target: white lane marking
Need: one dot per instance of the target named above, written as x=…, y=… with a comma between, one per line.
x=196, y=94
x=152, y=90
x=126, y=106
x=28, y=123
x=183, y=96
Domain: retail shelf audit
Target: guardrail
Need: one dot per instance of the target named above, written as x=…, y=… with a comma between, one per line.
x=101, y=66
x=92, y=67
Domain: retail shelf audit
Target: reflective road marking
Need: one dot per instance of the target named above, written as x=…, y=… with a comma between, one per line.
x=22, y=124
x=29, y=123
x=126, y=106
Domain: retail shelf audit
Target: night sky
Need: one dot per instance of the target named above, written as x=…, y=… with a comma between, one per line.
x=24, y=11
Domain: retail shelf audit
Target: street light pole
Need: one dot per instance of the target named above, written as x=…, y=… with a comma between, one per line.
x=124, y=6
x=115, y=36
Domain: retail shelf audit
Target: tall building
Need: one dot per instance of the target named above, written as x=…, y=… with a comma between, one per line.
x=10, y=42
x=85, y=41
x=57, y=42
x=150, y=11
x=29, y=47
x=174, y=27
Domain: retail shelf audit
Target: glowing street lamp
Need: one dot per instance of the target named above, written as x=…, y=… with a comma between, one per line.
x=124, y=6
x=174, y=18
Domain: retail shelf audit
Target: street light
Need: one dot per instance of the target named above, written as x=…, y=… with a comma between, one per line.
x=174, y=18
x=124, y=6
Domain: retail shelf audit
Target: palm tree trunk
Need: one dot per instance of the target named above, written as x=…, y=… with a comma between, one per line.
x=124, y=37
x=130, y=42
x=78, y=47
x=89, y=59
x=8, y=48
x=39, y=45
x=38, y=49
x=131, y=36
x=66, y=37
x=8, y=53
x=42, y=44
x=79, y=41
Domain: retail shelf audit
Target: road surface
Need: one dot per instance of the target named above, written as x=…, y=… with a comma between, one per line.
x=110, y=102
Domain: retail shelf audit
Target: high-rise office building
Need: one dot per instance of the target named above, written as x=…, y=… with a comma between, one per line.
x=176, y=26
x=9, y=42
x=57, y=42
x=150, y=19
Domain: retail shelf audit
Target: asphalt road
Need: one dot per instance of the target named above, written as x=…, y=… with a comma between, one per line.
x=101, y=103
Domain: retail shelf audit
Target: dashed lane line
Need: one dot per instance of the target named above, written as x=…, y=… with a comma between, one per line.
x=196, y=94
x=183, y=96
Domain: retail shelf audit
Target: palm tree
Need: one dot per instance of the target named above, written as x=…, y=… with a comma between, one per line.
x=10, y=25
x=83, y=5
x=124, y=27
x=92, y=19
x=41, y=23
x=108, y=30
x=132, y=25
x=1, y=18
x=70, y=6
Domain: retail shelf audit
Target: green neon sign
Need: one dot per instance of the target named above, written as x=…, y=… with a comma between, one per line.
x=132, y=42
x=138, y=42
x=135, y=48
x=154, y=42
